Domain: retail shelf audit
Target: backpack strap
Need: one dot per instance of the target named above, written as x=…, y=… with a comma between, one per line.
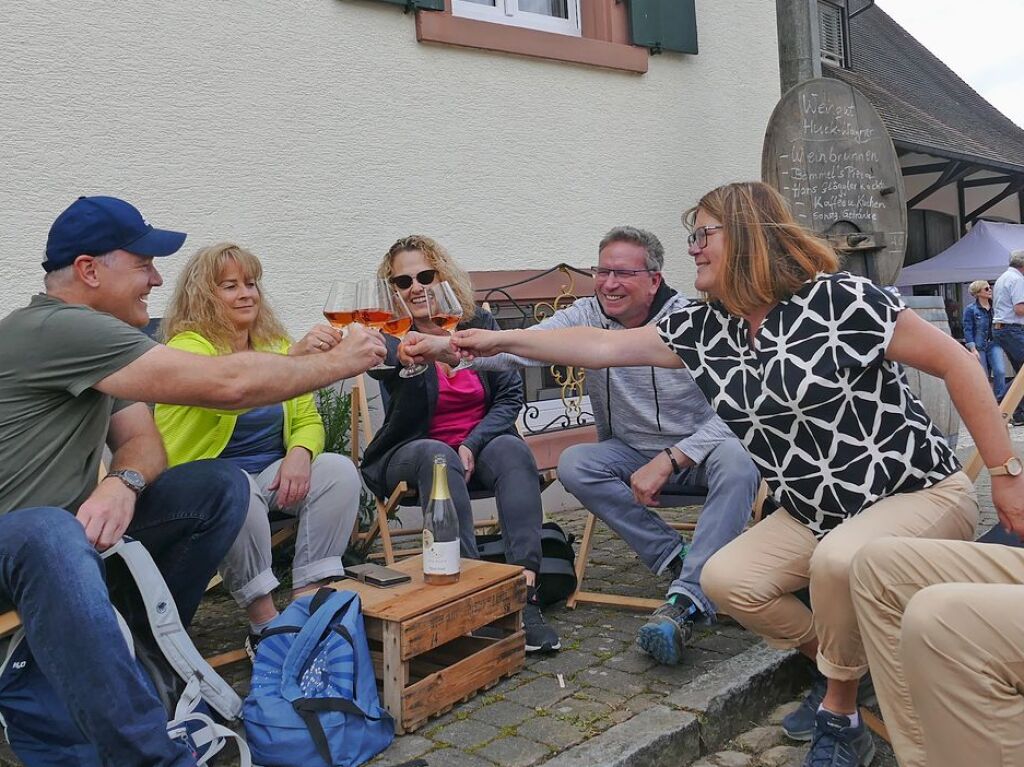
x=208, y=735
x=170, y=636
x=309, y=637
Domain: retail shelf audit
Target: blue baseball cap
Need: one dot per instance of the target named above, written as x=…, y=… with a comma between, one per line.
x=93, y=226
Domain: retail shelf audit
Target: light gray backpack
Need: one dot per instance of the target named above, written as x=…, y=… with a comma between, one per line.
x=189, y=688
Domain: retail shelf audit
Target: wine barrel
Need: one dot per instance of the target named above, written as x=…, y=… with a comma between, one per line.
x=931, y=390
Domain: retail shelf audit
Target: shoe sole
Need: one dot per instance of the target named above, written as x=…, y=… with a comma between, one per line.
x=544, y=647
x=803, y=737
x=659, y=640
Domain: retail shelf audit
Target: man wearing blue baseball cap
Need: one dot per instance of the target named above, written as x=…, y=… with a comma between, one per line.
x=77, y=372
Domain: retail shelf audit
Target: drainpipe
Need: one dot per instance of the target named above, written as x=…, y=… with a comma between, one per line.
x=799, y=42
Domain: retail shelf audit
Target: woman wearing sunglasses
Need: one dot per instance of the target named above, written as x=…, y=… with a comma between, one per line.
x=978, y=335
x=802, y=362
x=466, y=416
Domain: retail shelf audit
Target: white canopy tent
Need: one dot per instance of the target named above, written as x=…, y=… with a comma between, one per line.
x=981, y=254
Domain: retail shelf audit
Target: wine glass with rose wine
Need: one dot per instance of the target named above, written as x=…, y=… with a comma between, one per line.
x=445, y=311
x=375, y=308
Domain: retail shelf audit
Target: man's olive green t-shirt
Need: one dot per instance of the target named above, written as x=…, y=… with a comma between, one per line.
x=53, y=425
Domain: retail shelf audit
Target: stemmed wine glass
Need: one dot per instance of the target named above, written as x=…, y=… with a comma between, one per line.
x=445, y=311
x=340, y=307
x=398, y=327
x=375, y=308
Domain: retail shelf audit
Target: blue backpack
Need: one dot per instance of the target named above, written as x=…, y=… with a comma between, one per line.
x=314, y=698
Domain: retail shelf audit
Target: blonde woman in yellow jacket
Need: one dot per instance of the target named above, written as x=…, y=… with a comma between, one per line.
x=217, y=308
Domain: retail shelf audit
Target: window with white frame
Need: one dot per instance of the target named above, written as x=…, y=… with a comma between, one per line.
x=561, y=16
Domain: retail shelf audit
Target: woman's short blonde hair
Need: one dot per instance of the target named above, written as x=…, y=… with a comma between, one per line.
x=977, y=286
x=195, y=306
x=438, y=258
x=768, y=255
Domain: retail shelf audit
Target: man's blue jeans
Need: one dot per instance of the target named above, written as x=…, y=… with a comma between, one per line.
x=187, y=519
x=598, y=475
x=1011, y=338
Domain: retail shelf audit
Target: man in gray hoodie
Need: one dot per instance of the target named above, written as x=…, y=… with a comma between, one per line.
x=656, y=429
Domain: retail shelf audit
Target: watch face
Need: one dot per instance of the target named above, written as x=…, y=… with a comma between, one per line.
x=133, y=479
x=1014, y=467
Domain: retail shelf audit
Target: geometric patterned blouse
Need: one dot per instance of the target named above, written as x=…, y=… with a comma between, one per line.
x=831, y=424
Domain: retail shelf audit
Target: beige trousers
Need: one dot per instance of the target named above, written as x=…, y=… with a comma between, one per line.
x=753, y=577
x=943, y=622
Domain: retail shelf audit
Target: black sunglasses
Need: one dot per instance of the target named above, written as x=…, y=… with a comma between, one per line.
x=404, y=281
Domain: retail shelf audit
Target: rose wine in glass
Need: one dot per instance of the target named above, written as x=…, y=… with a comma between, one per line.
x=398, y=327
x=340, y=307
x=375, y=307
x=446, y=311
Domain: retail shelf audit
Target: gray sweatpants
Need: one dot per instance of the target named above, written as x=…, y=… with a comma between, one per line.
x=326, y=517
x=598, y=475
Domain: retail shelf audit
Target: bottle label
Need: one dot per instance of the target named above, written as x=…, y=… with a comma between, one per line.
x=440, y=558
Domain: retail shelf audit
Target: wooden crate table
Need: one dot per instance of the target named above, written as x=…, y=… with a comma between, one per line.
x=419, y=636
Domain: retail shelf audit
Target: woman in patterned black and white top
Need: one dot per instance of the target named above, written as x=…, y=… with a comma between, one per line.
x=802, y=363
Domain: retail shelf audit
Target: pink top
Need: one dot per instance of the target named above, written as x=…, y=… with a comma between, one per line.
x=460, y=406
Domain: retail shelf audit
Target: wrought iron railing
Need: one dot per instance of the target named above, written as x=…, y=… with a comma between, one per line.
x=571, y=381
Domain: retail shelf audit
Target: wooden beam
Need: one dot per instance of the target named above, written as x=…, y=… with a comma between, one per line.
x=932, y=167
x=961, y=208
x=956, y=171
x=989, y=181
x=1010, y=189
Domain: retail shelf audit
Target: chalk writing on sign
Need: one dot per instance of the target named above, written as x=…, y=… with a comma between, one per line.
x=831, y=164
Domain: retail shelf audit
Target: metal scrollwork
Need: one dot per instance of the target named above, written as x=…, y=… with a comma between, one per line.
x=571, y=380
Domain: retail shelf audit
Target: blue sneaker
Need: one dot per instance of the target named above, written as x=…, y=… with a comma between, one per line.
x=799, y=724
x=667, y=631
x=838, y=744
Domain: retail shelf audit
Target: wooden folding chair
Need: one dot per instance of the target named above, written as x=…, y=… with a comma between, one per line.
x=673, y=496
x=402, y=495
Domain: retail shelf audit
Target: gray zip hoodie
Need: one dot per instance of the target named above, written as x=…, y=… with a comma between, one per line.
x=648, y=408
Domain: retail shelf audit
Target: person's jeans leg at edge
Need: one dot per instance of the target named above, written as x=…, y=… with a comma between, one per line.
x=598, y=476
x=507, y=467
x=413, y=463
x=54, y=578
x=1011, y=339
x=188, y=519
x=732, y=481
x=997, y=364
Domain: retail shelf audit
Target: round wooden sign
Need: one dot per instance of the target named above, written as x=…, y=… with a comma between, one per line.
x=828, y=152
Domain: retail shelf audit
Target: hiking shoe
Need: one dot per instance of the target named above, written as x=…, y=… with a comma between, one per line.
x=838, y=744
x=251, y=642
x=667, y=631
x=799, y=724
x=540, y=637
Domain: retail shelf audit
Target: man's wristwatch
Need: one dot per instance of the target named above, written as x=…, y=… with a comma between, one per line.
x=1012, y=467
x=131, y=479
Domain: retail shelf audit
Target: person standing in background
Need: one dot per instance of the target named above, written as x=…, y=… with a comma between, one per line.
x=1008, y=318
x=978, y=335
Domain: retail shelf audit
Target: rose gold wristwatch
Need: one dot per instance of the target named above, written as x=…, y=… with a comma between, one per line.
x=1012, y=466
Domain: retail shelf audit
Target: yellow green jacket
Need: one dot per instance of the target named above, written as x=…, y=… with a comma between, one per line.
x=194, y=433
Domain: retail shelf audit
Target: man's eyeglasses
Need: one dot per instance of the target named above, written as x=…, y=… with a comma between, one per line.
x=404, y=281
x=601, y=273
x=699, y=236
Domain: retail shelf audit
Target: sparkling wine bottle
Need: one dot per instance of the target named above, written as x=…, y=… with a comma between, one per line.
x=441, y=563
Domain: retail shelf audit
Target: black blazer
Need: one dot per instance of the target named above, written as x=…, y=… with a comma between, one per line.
x=411, y=402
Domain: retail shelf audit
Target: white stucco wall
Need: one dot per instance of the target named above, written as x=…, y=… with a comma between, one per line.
x=318, y=132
